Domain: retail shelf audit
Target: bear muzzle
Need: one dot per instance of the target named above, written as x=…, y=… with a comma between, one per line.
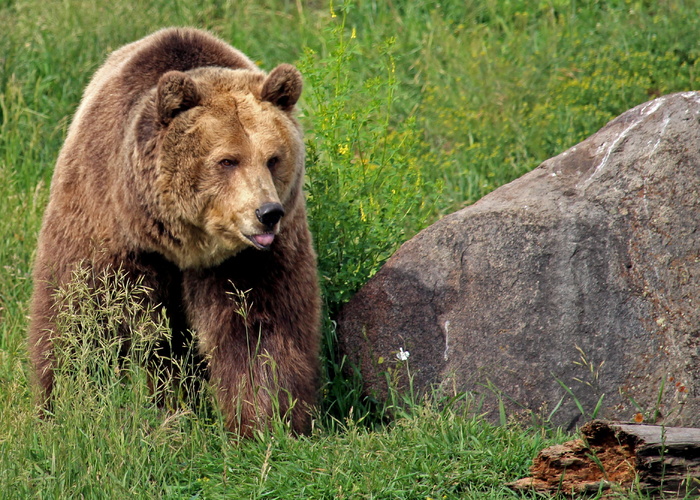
x=269, y=214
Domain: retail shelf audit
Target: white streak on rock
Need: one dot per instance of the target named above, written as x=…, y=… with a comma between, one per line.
x=692, y=95
x=647, y=110
x=661, y=134
x=447, y=339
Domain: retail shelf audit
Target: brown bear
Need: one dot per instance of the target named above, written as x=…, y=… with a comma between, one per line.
x=183, y=167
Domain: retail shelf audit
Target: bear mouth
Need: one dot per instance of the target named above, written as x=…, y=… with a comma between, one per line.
x=262, y=241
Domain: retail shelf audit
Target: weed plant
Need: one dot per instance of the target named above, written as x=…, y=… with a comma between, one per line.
x=412, y=109
x=361, y=160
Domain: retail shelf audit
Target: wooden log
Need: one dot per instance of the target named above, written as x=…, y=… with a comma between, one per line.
x=664, y=460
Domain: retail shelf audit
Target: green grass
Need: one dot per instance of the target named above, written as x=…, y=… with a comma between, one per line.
x=412, y=109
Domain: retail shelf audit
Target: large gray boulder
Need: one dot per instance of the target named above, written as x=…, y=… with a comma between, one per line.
x=585, y=271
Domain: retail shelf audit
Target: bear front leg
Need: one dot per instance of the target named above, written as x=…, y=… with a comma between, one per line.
x=261, y=380
x=257, y=320
x=42, y=361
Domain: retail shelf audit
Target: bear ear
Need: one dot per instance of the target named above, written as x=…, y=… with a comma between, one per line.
x=176, y=93
x=282, y=87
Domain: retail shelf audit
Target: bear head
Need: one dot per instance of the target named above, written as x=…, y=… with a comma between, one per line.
x=228, y=156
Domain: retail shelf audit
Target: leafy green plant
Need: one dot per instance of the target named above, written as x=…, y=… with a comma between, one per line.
x=365, y=189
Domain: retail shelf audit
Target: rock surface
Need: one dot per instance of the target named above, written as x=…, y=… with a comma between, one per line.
x=584, y=272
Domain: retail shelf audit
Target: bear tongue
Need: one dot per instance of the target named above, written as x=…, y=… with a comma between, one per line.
x=265, y=239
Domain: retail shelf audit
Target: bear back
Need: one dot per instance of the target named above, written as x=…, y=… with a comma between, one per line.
x=176, y=49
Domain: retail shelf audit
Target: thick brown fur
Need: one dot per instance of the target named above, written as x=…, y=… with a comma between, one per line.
x=179, y=148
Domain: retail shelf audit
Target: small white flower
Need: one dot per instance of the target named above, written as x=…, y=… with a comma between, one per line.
x=402, y=355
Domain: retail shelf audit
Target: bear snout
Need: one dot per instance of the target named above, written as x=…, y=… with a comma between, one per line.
x=269, y=214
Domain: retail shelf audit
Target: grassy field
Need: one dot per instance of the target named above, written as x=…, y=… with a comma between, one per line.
x=412, y=109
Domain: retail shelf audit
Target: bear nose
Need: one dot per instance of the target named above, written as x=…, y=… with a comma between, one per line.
x=269, y=214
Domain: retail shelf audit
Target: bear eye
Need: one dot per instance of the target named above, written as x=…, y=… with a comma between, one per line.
x=229, y=163
x=272, y=162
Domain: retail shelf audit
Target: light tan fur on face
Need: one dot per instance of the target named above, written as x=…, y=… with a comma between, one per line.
x=233, y=125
